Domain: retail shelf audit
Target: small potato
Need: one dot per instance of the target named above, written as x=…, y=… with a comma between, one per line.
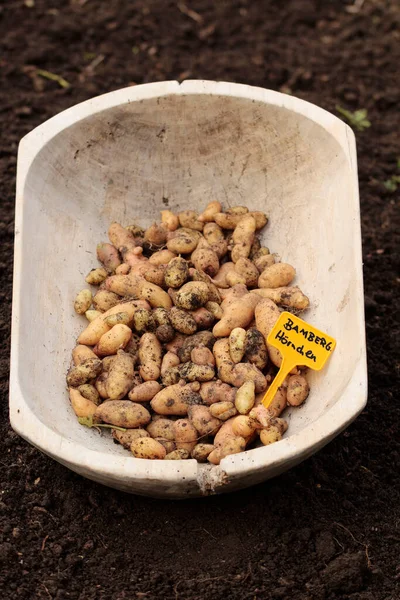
x=237, y=210
x=84, y=372
x=238, y=314
x=191, y=372
x=162, y=257
x=204, y=319
x=176, y=272
x=155, y=275
x=100, y=385
x=234, y=278
x=297, y=390
x=96, y=276
x=121, y=318
x=170, y=359
x=165, y=333
x=220, y=278
x=124, y=285
x=120, y=376
x=156, y=234
x=91, y=315
x=178, y=454
x=182, y=321
x=237, y=340
x=216, y=391
x=175, y=399
x=202, y=338
x=205, y=259
x=202, y=356
x=201, y=452
x=123, y=413
x=81, y=353
x=82, y=406
x=189, y=219
x=123, y=269
x=266, y=315
x=223, y=410
x=143, y=320
x=83, y=301
x=161, y=317
x=186, y=435
x=291, y=297
x=231, y=445
x=255, y=348
x=169, y=446
x=243, y=237
x=150, y=353
x=104, y=300
x=245, y=397
x=144, y=392
x=246, y=269
x=192, y=295
x=93, y=332
x=213, y=291
x=213, y=233
x=247, y=372
x=277, y=275
x=243, y=425
x=230, y=220
x=183, y=241
x=144, y=447
x=264, y=261
x=270, y=435
x=121, y=237
x=109, y=256
x=136, y=231
x=125, y=438
x=89, y=392
x=202, y=420
x=210, y=211
x=169, y=220
x=162, y=428
x=155, y=295
x=112, y=341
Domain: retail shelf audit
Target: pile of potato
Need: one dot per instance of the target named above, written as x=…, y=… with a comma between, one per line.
x=174, y=358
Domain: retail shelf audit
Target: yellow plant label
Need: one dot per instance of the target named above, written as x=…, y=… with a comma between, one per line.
x=300, y=344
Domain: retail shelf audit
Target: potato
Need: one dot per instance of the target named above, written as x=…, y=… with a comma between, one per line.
x=213, y=291
x=165, y=333
x=202, y=338
x=123, y=269
x=190, y=371
x=243, y=237
x=220, y=278
x=93, y=332
x=267, y=314
x=109, y=256
x=169, y=446
x=210, y=211
x=238, y=314
x=120, y=237
x=297, y=390
x=201, y=452
x=277, y=275
x=234, y=278
x=178, y=454
x=156, y=296
x=169, y=220
x=83, y=301
x=176, y=272
x=255, y=348
x=123, y=413
x=155, y=275
x=255, y=247
x=223, y=410
x=162, y=257
x=264, y=261
x=89, y=392
x=248, y=271
x=216, y=391
x=104, y=300
x=169, y=360
x=213, y=233
x=237, y=339
x=243, y=425
x=237, y=210
x=205, y=259
x=125, y=438
x=176, y=343
x=231, y=445
x=136, y=231
x=185, y=434
x=203, y=318
x=231, y=220
x=121, y=318
x=81, y=353
x=270, y=435
x=150, y=353
x=247, y=372
x=183, y=241
x=245, y=397
x=156, y=235
x=84, y=372
x=100, y=385
x=203, y=421
x=189, y=219
x=96, y=276
x=192, y=295
x=223, y=360
x=124, y=285
x=144, y=392
x=175, y=399
x=112, y=341
x=82, y=407
x=233, y=294
x=182, y=321
x=162, y=428
x=202, y=356
x=144, y=447
x=214, y=308
x=143, y=320
x=291, y=297
x=91, y=315
x=120, y=376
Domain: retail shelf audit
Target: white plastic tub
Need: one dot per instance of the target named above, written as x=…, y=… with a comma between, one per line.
x=124, y=156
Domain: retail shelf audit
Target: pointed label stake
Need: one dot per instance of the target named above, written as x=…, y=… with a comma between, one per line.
x=300, y=344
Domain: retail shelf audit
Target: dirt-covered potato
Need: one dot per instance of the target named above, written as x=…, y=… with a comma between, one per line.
x=100, y=385
x=144, y=447
x=230, y=220
x=182, y=321
x=144, y=392
x=169, y=220
x=170, y=360
x=121, y=318
x=84, y=372
x=291, y=297
x=143, y=320
x=202, y=356
x=203, y=421
x=217, y=391
x=248, y=271
x=96, y=276
x=176, y=272
x=270, y=435
x=210, y=211
x=81, y=353
x=205, y=259
x=186, y=435
x=122, y=413
x=175, y=399
x=238, y=314
x=162, y=257
x=244, y=426
x=201, y=452
x=156, y=234
x=125, y=438
x=155, y=295
x=190, y=219
x=112, y=341
x=214, y=308
x=213, y=292
x=162, y=428
x=150, y=353
x=266, y=314
x=231, y=445
x=223, y=410
x=91, y=315
x=183, y=241
x=243, y=237
x=93, y=332
x=155, y=274
x=276, y=276
x=202, y=338
x=245, y=397
x=83, y=301
x=204, y=319
x=109, y=256
x=88, y=391
x=255, y=348
x=120, y=376
x=264, y=261
x=192, y=295
x=178, y=454
x=82, y=407
x=237, y=340
x=297, y=390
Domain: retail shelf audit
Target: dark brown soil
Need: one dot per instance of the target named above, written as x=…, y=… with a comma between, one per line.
x=328, y=529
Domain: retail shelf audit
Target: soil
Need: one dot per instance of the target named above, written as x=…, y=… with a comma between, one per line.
x=328, y=529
